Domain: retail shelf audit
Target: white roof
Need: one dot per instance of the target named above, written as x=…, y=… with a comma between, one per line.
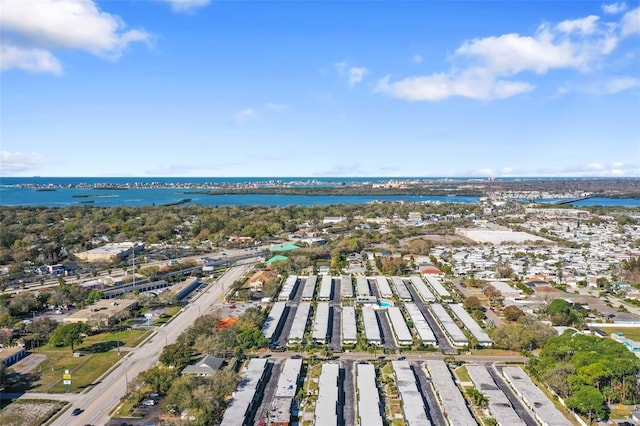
x=401, y=289
x=300, y=321
x=349, y=329
x=371, y=328
x=420, y=324
x=288, y=287
x=383, y=286
x=309, y=287
x=412, y=403
x=499, y=405
x=455, y=334
x=321, y=323
x=438, y=287
x=362, y=286
x=346, y=287
x=368, y=397
x=399, y=324
x=481, y=336
x=452, y=400
x=325, y=287
x=243, y=396
x=422, y=289
x=288, y=380
x=273, y=319
x=326, y=413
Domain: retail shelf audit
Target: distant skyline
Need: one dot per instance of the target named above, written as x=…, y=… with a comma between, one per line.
x=319, y=88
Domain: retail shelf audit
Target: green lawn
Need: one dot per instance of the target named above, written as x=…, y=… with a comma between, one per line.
x=129, y=338
x=167, y=316
x=632, y=333
x=462, y=374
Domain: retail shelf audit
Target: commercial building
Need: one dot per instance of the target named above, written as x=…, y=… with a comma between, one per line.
x=299, y=325
x=349, y=329
x=110, y=252
x=240, y=410
x=415, y=413
x=102, y=313
x=425, y=334
x=448, y=393
x=481, y=336
x=11, y=355
x=401, y=332
x=369, y=407
x=328, y=403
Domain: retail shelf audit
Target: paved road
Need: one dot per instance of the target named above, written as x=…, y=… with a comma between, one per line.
x=428, y=394
x=523, y=412
x=98, y=402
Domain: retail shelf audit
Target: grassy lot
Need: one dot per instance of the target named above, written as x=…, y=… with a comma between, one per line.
x=462, y=374
x=619, y=413
x=167, y=316
x=494, y=352
x=29, y=412
x=98, y=357
x=632, y=333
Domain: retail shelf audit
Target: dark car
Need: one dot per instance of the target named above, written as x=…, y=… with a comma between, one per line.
x=76, y=411
x=402, y=358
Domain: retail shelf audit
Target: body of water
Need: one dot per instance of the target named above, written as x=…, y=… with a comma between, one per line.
x=69, y=191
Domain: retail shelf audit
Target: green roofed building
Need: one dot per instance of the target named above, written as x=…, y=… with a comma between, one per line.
x=284, y=247
x=276, y=258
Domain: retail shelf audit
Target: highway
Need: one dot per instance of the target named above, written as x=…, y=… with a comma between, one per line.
x=101, y=399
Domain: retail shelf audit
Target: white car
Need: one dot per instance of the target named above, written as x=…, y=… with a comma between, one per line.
x=149, y=402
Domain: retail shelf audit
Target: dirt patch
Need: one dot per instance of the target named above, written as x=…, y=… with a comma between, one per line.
x=21, y=413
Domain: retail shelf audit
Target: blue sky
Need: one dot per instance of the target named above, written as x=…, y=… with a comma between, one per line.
x=319, y=88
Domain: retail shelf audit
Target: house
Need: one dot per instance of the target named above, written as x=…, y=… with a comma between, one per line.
x=431, y=271
x=204, y=367
x=259, y=279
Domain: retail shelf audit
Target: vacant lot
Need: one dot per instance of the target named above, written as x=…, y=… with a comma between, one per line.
x=27, y=413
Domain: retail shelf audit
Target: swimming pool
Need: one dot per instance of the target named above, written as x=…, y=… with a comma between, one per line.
x=385, y=303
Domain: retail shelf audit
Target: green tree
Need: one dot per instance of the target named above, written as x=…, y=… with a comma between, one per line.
x=513, y=313
x=69, y=335
x=472, y=302
x=589, y=401
x=176, y=355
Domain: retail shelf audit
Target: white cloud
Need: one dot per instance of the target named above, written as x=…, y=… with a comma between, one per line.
x=18, y=162
x=356, y=74
x=586, y=25
x=186, y=6
x=630, y=22
x=442, y=86
x=273, y=107
x=28, y=59
x=618, y=84
x=595, y=169
x=417, y=59
x=484, y=68
x=242, y=116
x=614, y=8
x=45, y=25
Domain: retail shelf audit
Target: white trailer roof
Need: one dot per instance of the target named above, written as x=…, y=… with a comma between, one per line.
x=453, y=402
x=438, y=287
x=244, y=395
x=346, y=286
x=371, y=328
x=309, y=287
x=412, y=403
x=288, y=380
x=321, y=322
x=499, y=405
x=362, y=286
x=481, y=336
x=299, y=322
x=425, y=294
x=420, y=324
x=455, y=334
x=368, y=397
x=325, y=287
x=349, y=329
x=400, y=329
x=273, y=319
x=287, y=288
x=326, y=412
x=536, y=400
x=401, y=289
x=383, y=286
